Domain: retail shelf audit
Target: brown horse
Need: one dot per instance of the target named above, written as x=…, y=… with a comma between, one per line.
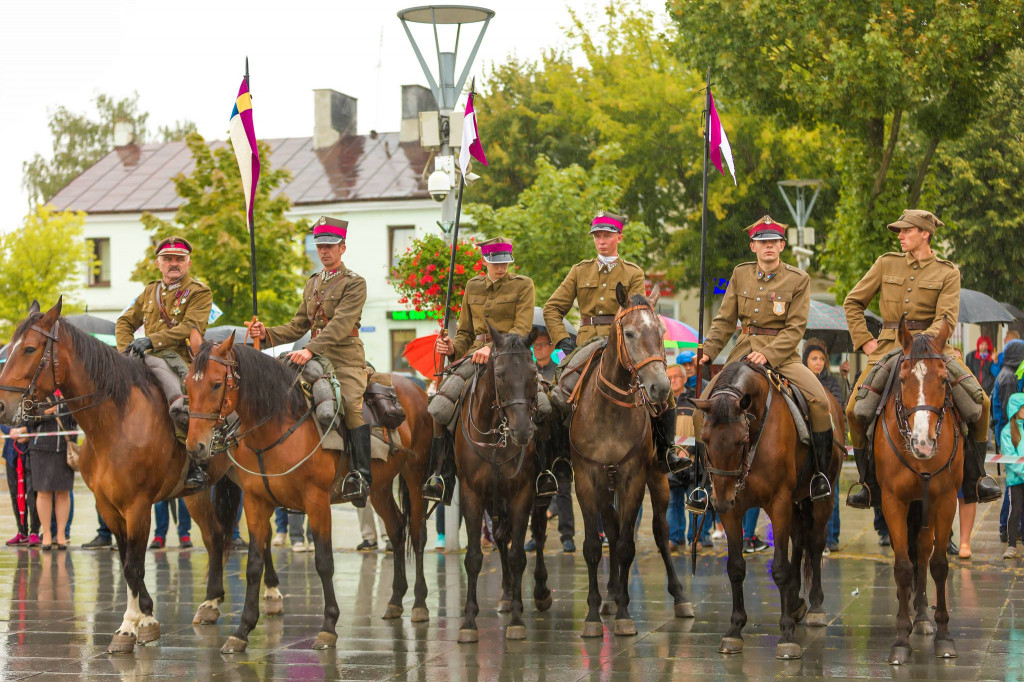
x=495, y=464
x=920, y=469
x=130, y=458
x=279, y=462
x=755, y=459
x=613, y=456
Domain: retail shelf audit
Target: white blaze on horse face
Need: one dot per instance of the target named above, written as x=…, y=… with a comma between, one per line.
x=921, y=426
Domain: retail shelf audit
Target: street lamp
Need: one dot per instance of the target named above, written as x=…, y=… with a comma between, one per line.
x=801, y=234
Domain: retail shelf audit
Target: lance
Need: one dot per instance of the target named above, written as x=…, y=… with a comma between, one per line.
x=252, y=240
x=704, y=232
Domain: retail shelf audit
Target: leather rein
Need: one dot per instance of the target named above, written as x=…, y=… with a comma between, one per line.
x=501, y=431
x=747, y=418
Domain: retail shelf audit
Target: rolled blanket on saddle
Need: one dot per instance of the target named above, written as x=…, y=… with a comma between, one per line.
x=443, y=405
x=568, y=375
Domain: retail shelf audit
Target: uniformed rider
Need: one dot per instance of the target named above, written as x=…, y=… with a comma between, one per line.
x=771, y=301
x=591, y=283
x=167, y=310
x=332, y=303
x=506, y=300
x=915, y=282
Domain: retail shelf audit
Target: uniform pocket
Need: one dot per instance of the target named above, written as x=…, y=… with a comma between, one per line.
x=892, y=287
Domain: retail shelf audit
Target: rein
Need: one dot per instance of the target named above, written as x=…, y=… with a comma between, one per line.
x=501, y=430
x=751, y=448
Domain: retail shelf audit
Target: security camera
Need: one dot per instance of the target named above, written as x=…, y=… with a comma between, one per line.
x=438, y=186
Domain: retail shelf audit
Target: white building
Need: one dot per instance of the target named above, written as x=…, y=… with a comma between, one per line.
x=375, y=181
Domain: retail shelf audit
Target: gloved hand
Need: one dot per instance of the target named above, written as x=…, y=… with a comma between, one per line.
x=566, y=345
x=140, y=346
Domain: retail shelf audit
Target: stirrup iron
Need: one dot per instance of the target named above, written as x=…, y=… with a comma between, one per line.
x=697, y=501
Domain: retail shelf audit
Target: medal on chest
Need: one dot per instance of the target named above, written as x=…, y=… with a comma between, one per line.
x=778, y=307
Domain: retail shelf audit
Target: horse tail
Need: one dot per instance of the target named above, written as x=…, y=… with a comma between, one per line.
x=226, y=498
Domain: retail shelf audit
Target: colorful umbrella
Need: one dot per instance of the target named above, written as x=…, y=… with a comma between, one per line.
x=420, y=355
x=678, y=334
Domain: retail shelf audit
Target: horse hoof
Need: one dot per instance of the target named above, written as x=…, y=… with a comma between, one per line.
x=944, y=648
x=731, y=645
x=467, y=636
x=206, y=615
x=607, y=608
x=923, y=627
x=788, y=651
x=625, y=627
x=900, y=655
x=592, y=629
x=800, y=611
x=684, y=610
x=504, y=605
x=273, y=606
x=234, y=645
x=393, y=611
x=543, y=604
x=148, y=633
x=816, y=619
x=325, y=640
x=515, y=632
x=420, y=614
x=121, y=644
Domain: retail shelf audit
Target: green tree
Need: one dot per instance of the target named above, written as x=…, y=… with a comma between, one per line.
x=79, y=141
x=176, y=132
x=213, y=220
x=41, y=260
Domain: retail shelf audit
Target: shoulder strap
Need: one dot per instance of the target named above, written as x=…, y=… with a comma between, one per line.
x=171, y=324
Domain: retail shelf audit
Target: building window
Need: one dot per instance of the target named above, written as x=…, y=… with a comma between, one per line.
x=666, y=308
x=399, y=338
x=99, y=273
x=310, y=248
x=399, y=239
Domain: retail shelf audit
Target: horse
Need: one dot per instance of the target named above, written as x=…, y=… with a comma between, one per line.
x=496, y=471
x=277, y=434
x=610, y=441
x=755, y=459
x=920, y=468
x=130, y=458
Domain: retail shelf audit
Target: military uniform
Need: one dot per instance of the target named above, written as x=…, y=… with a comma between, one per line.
x=507, y=304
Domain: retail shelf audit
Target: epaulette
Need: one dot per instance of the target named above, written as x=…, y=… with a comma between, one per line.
x=793, y=268
x=752, y=263
x=626, y=262
x=588, y=260
x=315, y=274
x=947, y=262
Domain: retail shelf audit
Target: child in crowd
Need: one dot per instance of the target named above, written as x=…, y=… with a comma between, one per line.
x=1012, y=443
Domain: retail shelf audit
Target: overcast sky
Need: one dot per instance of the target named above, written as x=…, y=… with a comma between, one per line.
x=186, y=60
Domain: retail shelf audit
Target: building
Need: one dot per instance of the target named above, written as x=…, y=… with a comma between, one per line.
x=374, y=181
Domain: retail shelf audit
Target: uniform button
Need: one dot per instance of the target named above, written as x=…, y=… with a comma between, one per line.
x=915, y=267
x=758, y=298
x=906, y=300
x=602, y=298
x=909, y=289
x=604, y=285
x=911, y=278
x=755, y=310
x=762, y=288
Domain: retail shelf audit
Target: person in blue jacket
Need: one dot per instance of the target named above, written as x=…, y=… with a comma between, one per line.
x=1012, y=443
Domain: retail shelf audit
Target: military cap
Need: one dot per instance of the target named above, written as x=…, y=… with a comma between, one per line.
x=913, y=217
x=329, y=230
x=765, y=229
x=607, y=222
x=174, y=246
x=497, y=250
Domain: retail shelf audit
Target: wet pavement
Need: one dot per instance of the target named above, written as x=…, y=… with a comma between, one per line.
x=59, y=609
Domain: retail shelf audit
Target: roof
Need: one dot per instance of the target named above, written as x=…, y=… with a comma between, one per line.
x=357, y=168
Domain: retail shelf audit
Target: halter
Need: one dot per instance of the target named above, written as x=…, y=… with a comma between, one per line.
x=502, y=430
x=231, y=383
x=747, y=418
x=636, y=387
x=27, y=404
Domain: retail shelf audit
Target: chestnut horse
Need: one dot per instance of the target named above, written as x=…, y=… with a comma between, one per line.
x=755, y=459
x=130, y=458
x=613, y=459
x=920, y=469
x=280, y=463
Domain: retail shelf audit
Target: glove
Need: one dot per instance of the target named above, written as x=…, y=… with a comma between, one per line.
x=140, y=346
x=566, y=345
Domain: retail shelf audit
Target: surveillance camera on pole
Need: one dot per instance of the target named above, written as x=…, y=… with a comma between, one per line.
x=801, y=236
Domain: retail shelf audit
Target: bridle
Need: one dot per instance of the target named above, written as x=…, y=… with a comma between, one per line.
x=903, y=413
x=750, y=448
x=501, y=431
x=636, y=389
x=231, y=383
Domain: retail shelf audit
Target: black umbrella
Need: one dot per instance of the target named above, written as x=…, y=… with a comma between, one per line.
x=538, y=321
x=978, y=308
x=90, y=324
x=1014, y=310
x=828, y=323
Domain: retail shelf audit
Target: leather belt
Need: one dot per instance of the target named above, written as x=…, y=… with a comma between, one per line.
x=911, y=324
x=316, y=332
x=596, y=320
x=486, y=338
x=760, y=331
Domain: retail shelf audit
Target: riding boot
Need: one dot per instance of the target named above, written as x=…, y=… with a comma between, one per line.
x=868, y=494
x=355, y=487
x=820, y=486
x=196, y=479
x=547, y=486
x=977, y=486
x=698, y=500
x=664, y=428
x=438, y=487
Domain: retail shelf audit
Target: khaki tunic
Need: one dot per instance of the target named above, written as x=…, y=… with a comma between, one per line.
x=188, y=306
x=507, y=304
x=779, y=300
x=593, y=288
x=331, y=310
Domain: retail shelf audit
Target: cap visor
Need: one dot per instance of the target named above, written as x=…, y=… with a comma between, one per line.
x=768, y=237
x=173, y=252
x=327, y=239
x=499, y=258
x=900, y=225
x=603, y=228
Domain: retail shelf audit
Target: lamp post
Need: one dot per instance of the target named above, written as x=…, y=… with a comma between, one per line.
x=804, y=236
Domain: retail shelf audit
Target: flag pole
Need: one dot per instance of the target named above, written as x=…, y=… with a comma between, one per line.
x=704, y=231
x=252, y=234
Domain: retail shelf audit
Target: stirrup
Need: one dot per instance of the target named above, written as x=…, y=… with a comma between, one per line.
x=362, y=490
x=682, y=463
x=434, y=480
x=567, y=463
x=546, y=474
x=697, y=503
x=828, y=485
x=849, y=494
x=977, y=490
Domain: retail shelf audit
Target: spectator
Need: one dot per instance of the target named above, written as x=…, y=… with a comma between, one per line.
x=295, y=523
x=1007, y=384
x=980, y=362
x=23, y=498
x=1012, y=443
x=280, y=527
x=678, y=484
x=752, y=543
x=816, y=359
x=52, y=478
x=367, y=528
x=104, y=538
x=161, y=512
x=1008, y=337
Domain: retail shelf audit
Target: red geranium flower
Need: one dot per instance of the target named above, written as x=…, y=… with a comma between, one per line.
x=460, y=269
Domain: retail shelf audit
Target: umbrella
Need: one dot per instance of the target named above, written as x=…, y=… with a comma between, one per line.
x=678, y=334
x=978, y=308
x=1014, y=310
x=828, y=323
x=538, y=321
x=91, y=324
x=420, y=355
x=219, y=333
x=826, y=317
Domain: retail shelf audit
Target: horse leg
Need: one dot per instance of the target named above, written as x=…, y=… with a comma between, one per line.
x=657, y=483
x=520, y=510
x=216, y=519
x=781, y=514
x=273, y=600
x=629, y=503
x=801, y=519
x=139, y=625
x=394, y=524
x=816, y=541
x=319, y=511
x=416, y=527
x=257, y=519
x=592, y=626
x=736, y=566
x=919, y=547
x=501, y=529
x=895, y=512
x=539, y=528
x=472, y=509
x=611, y=530
x=941, y=521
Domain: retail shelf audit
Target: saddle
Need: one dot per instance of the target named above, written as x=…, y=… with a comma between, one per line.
x=569, y=373
x=795, y=399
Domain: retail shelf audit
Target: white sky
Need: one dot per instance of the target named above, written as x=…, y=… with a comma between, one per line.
x=186, y=60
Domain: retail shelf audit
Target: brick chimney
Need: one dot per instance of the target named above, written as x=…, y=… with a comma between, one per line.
x=415, y=98
x=334, y=116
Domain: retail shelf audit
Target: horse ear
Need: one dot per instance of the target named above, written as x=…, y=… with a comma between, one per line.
x=620, y=295
x=532, y=336
x=53, y=313
x=655, y=295
x=195, y=341
x=226, y=345
x=944, y=331
x=905, y=337
x=496, y=336
x=745, y=402
x=34, y=308
x=701, y=404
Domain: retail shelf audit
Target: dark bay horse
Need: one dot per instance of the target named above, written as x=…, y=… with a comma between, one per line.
x=920, y=469
x=756, y=459
x=130, y=458
x=495, y=464
x=613, y=459
x=279, y=463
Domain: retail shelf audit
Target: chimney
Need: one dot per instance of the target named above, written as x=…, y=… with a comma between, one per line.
x=334, y=116
x=415, y=98
x=124, y=133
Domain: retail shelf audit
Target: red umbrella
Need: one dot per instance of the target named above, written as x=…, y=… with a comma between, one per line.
x=420, y=355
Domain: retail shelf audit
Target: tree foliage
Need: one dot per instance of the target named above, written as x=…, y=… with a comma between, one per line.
x=213, y=220
x=41, y=260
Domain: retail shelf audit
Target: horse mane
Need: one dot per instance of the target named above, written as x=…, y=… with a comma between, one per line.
x=514, y=342
x=640, y=299
x=274, y=395
x=112, y=374
x=729, y=376
x=921, y=346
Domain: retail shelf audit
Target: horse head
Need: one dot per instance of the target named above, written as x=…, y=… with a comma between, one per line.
x=30, y=373
x=515, y=382
x=640, y=341
x=212, y=392
x=923, y=386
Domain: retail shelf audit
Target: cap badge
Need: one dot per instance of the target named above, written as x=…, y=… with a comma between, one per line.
x=600, y=214
x=323, y=221
x=767, y=220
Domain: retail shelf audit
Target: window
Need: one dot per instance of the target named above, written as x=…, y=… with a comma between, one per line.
x=399, y=239
x=99, y=273
x=310, y=248
x=400, y=337
x=666, y=308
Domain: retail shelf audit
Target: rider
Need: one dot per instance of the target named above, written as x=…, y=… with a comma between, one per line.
x=771, y=301
x=592, y=284
x=926, y=288
x=167, y=310
x=504, y=299
x=332, y=304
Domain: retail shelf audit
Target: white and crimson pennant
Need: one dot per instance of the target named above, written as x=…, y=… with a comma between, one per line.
x=719, y=144
x=471, y=146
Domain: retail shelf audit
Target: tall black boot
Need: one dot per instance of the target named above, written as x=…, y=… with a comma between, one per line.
x=977, y=487
x=868, y=494
x=821, y=442
x=196, y=479
x=698, y=500
x=664, y=428
x=355, y=487
x=438, y=487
